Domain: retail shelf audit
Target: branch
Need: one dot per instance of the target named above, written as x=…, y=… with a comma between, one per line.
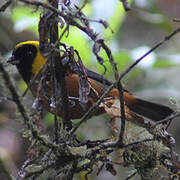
x=5, y=6
x=126, y=5
x=60, y=76
x=14, y=94
x=120, y=89
x=58, y=71
x=170, y=118
x=167, y=38
x=27, y=121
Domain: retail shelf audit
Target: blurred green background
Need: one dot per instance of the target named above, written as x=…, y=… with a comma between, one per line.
x=156, y=78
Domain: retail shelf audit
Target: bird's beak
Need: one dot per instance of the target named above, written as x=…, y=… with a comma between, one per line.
x=13, y=61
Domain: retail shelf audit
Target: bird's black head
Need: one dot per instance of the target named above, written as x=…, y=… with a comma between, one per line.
x=23, y=57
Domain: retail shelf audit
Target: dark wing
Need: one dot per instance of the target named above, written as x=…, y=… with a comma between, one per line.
x=99, y=78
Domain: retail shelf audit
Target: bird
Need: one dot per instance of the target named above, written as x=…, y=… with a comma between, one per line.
x=28, y=59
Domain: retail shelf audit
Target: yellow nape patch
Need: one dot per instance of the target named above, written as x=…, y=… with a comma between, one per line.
x=39, y=60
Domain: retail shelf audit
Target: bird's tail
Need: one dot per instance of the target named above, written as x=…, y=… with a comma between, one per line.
x=153, y=111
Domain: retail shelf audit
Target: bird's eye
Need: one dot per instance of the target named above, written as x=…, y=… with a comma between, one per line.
x=29, y=53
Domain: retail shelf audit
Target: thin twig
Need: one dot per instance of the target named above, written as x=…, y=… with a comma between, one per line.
x=131, y=176
x=176, y=20
x=5, y=6
x=39, y=170
x=63, y=33
x=171, y=117
x=34, y=79
x=45, y=5
x=54, y=88
x=123, y=116
x=106, y=145
x=16, y=99
x=83, y=4
x=60, y=75
x=137, y=142
x=150, y=51
x=120, y=89
x=111, y=59
x=14, y=94
x=125, y=5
